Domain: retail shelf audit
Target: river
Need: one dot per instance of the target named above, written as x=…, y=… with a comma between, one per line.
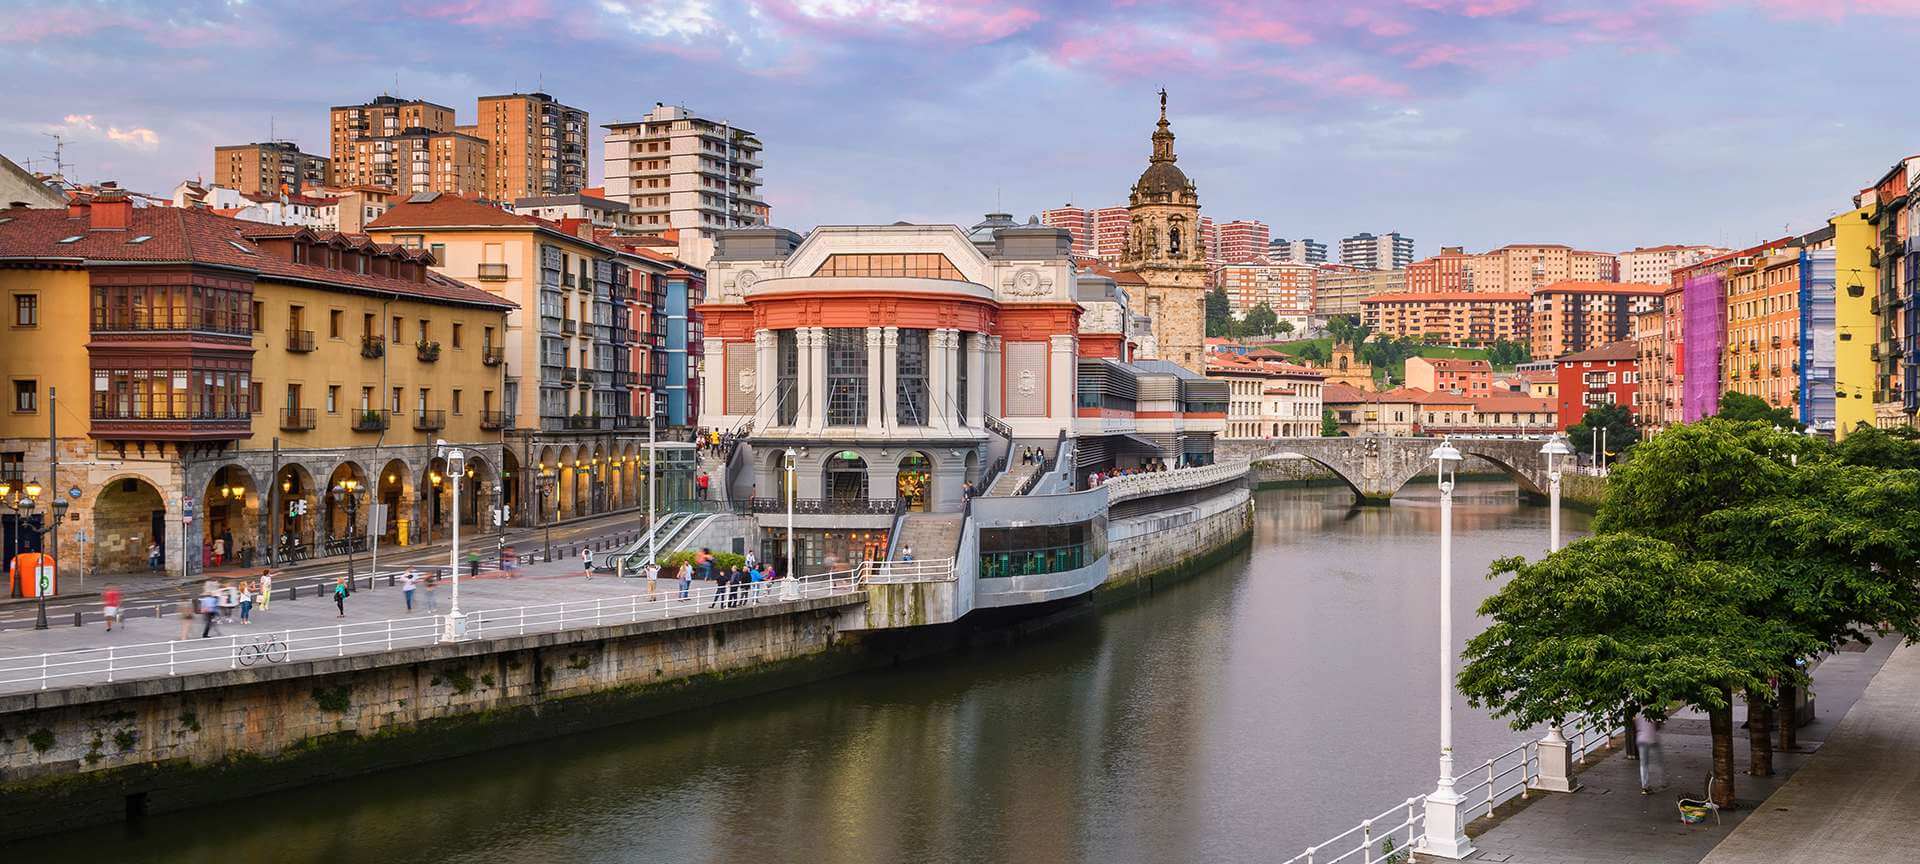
x=1235, y=717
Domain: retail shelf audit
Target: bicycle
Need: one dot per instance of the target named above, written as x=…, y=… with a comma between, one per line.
x=266, y=647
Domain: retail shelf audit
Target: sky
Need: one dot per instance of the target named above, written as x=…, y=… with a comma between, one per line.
x=1604, y=125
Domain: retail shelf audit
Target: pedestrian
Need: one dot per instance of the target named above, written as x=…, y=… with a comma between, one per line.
x=473, y=565
x=266, y=588
x=187, y=609
x=246, y=602
x=153, y=556
x=407, y=581
x=586, y=560
x=686, y=579
x=110, y=605
x=209, y=609
x=1653, y=774
x=340, y=596
x=751, y=559
x=229, y=601
x=653, y=580
x=219, y=550
x=906, y=551
x=700, y=485
x=433, y=592
x=758, y=581
x=719, y=586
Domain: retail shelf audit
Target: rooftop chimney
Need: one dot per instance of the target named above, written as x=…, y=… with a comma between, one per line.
x=112, y=211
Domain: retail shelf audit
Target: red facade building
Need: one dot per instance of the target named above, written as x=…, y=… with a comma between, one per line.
x=1608, y=375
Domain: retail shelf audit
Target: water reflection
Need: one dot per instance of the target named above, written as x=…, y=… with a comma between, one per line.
x=1235, y=717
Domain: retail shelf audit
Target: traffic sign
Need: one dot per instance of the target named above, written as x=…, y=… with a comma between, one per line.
x=186, y=507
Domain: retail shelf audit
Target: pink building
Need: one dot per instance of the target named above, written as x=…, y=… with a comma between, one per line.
x=1243, y=240
x=1079, y=222
x=1110, y=232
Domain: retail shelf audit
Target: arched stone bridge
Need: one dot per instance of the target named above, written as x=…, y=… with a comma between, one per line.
x=1377, y=466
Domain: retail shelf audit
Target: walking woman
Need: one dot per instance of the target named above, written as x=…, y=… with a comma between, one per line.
x=246, y=602
x=340, y=595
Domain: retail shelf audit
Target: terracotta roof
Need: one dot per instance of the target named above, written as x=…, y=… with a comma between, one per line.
x=1235, y=363
x=446, y=211
x=1623, y=350
x=1441, y=398
x=1336, y=392
x=187, y=235
x=1512, y=403
x=1123, y=277
x=1452, y=296
x=1453, y=363
x=1586, y=287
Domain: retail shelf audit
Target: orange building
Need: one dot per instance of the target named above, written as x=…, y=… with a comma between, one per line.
x=1763, y=328
x=535, y=145
x=358, y=135
x=1572, y=316
x=1445, y=272
x=1477, y=318
x=1532, y=266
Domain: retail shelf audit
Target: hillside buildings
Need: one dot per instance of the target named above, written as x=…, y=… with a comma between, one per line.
x=1390, y=251
x=1243, y=240
x=1302, y=251
x=1573, y=316
x=1285, y=288
x=1528, y=267
x=1477, y=318
x=269, y=167
x=535, y=145
x=1443, y=273
x=1654, y=265
x=1341, y=290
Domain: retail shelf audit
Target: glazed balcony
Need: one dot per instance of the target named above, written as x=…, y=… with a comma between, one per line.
x=111, y=423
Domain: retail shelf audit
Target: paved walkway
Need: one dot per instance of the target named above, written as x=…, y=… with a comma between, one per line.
x=1609, y=822
x=1858, y=800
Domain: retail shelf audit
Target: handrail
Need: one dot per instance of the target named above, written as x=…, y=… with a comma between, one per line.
x=906, y=572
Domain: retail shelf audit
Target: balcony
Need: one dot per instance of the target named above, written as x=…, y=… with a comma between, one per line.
x=429, y=421
x=493, y=421
x=373, y=347
x=569, y=375
x=492, y=273
x=129, y=423
x=491, y=356
x=299, y=341
x=567, y=327
x=297, y=419
x=427, y=351
x=370, y=420
x=817, y=506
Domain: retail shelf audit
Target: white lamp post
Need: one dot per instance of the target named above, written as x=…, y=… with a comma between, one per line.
x=456, y=470
x=1446, y=830
x=1554, y=451
x=791, y=589
x=653, y=535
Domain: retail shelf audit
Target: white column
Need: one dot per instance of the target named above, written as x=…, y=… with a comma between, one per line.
x=714, y=381
x=996, y=393
x=938, y=370
x=976, y=361
x=817, y=377
x=876, y=388
x=766, y=378
x=1060, y=380
x=890, y=367
x=950, y=381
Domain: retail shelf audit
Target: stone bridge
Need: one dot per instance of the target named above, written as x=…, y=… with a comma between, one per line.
x=1377, y=466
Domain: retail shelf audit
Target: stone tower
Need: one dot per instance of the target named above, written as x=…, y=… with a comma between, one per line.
x=1163, y=246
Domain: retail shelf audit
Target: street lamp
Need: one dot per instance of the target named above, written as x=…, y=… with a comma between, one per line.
x=21, y=501
x=545, y=482
x=1554, y=451
x=790, y=590
x=345, y=489
x=1446, y=830
x=456, y=462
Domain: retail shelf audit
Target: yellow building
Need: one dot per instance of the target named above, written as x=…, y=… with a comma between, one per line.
x=1856, y=327
x=219, y=377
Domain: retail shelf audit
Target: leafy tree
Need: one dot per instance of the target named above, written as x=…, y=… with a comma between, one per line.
x=1315, y=352
x=1622, y=622
x=1283, y=328
x=1219, y=318
x=1866, y=445
x=1506, y=354
x=1329, y=424
x=1347, y=330
x=1740, y=406
x=1260, y=321
x=1616, y=419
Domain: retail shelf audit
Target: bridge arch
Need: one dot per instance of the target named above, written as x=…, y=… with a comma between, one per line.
x=1332, y=468
x=1523, y=478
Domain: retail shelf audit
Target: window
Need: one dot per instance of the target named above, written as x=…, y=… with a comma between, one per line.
x=910, y=402
x=455, y=404
x=456, y=334
x=422, y=403
x=924, y=266
x=334, y=317
x=259, y=316
x=486, y=337
x=254, y=403
x=396, y=400
x=26, y=310
x=26, y=396
x=366, y=325
x=787, y=354
x=293, y=397
x=424, y=330
x=1037, y=549
x=847, y=376
x=333, y=398
x=439, y=254
x=366, y=398
x=399, y=327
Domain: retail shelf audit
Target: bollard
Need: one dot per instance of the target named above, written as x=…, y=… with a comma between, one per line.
x=76, y=619
x=389, y=580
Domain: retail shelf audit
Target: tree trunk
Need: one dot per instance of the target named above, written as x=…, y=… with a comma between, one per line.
x=1633, y=734
x=1759, y=744
x=1789, y=717
x=1720, y=721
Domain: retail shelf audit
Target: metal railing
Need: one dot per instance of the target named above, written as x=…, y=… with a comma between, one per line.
x=231, y=651
x=903, y=572
x=297, y=419
x=818, y=506
x=428, y=421
x=492, y=273
x=1174, y=480
x=300, y=341
x=1483, y=789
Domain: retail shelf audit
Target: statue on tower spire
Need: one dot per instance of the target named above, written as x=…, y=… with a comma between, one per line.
x=1162, y=135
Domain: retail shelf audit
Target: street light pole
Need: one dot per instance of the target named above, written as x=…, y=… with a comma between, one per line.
x=456, y=469
x=790, y=590
x=1446, y=835
x=653, y=535
x=1555, y=450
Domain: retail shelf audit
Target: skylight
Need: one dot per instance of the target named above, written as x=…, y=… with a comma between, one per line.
x=240, y=246
x=140, y=239
x=74, y=239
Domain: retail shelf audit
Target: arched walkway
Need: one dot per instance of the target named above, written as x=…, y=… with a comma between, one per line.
x=128, y=514
x=346, y=501
x=913, y=483
x=394, y=491
x=844, y=478
x=510, y=482
x=296, y=485
x=232, y=507
x=431, y=507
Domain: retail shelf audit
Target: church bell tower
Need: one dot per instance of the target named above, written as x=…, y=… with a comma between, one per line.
x=1163, y=246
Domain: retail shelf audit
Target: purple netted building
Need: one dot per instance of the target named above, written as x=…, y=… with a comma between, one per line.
x=1704, y=332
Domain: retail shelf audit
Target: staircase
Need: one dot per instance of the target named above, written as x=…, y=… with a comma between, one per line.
x=931, y=535
x=1010, y=481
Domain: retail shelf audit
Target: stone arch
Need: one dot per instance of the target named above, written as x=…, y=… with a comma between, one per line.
x=776, y=462
x=1331, y=467
x=345, y=511
x=232, y=507
x=510, y=481
x=128, y=514
x=914, y=480
x=547, y=485
x=394, y=489
x=1521, y=478
x=296, y=484
x=477, y=498
x=432, y=506
x=845, y=475
x=566, y=479
x=598, y=491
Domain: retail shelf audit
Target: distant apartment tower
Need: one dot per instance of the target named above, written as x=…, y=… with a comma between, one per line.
x=1243, y=240
x=1078, y=222
x=1532, y=266
x=1341, y=290
x=1110, y=226
x=678, y=170
x=1574, y=316
x=1654, y=265
x=1390, y=251
x=1210, y=240
x=1284, y=288
x=1442, y=273
x=360, y=137
x=267, y=166
x=535, y=145
x=1302, y=251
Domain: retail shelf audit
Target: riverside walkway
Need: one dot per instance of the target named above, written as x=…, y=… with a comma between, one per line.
x=1858, y=779
x=539, y=597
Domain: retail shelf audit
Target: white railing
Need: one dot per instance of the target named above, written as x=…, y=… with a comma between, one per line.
x=1175, y=480
x=1501, y=779
x=233, y=651
x=898, y=572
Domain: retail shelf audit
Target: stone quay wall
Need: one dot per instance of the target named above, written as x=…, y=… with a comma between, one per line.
x=1149, y=548
x=84, y=755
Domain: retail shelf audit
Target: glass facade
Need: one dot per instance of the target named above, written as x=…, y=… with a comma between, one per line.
x=787, y=403
x=1038, y=549
x=846, y=376
x=919, y=266
x=910, y=402
x=960, y=378
x=171, y=307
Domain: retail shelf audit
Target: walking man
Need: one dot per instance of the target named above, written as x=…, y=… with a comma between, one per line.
x=209, y=609
x=407, y=581
x=433, y=593
x=586, y=560
x=1647, y=737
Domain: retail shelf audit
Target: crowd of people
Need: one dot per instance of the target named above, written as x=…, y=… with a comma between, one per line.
x=220, y=601
x=1099, y=477
x=713, y=442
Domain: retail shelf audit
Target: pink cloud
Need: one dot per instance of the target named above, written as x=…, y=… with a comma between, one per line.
x=479, y=13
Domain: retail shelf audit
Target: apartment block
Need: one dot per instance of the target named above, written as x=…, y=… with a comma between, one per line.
x=1572, y=316
x=268, y=167
x=1390, y=251
x=1243, y=240
x=1654, y=265
x=1478, y=318
x=1445, y=272
x=1110, y=232
x=1763, y=328
x=678, y=170
x=353, y=128
x=1079, y=224
x=1658, y=399
x=1287, y=289
x=1339, y=289
x=1472, y=378
x=1302, y=251
x=1532, y=266
x=1607, y=375
x=535, y=145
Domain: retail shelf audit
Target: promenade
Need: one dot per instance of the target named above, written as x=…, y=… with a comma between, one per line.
x=1608, y=821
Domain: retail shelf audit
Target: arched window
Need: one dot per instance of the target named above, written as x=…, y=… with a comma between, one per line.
x=1173, y=241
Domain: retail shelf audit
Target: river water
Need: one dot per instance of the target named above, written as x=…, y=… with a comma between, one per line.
x=1238, y=717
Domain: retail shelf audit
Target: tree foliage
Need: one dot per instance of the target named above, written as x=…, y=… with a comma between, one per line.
x=1347, y=329
x=1329, y=424
x=1616, y=419
x=1877, y=448
x=1742, y=407
x=1259, y=321
x=1219, y=316
x=1506, y=355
